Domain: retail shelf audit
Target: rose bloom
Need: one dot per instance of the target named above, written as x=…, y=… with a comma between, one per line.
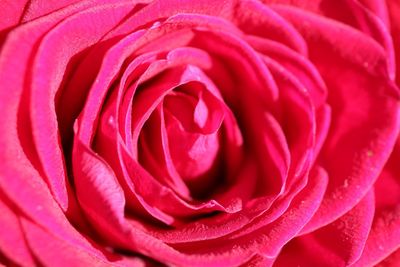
x=199, y=133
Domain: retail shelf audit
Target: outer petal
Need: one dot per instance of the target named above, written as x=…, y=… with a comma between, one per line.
x=391, y=261
x=26, y=190
x=337, y=244
x=12, y=241
x=53, y=251
x=16, y=142
x=263, y=236
x=36, y=8
x=45, y=81
x=385, y=232
x=368, y=16
x=365, y=110
x=11, y=13
x=394, y=16
x=21, y=11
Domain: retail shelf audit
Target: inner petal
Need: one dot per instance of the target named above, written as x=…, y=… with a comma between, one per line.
x=193, y=118
x=193, y=154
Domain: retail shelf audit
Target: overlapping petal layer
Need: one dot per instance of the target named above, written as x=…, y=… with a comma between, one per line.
x=199, y=134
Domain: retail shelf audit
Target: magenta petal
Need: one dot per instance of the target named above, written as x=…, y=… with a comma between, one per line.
x=257, y=19
x=294, y=63
x=368, y=100
x=11, y=14
x=155, y=156
x=195, y=104
x=259, y=260
x=383, y=238
x=244, y=186
x=98, y=191
x=30, y=195
x=271, y=146
x=114, y=152
x=160, y=9
x=257, y=214
x=36, y=9
x=163, y=197
x=310, y=5
x=16, y=56
x=45, y=82
x=301, y=209
x=337, y=244
x=379, y=8
x=391, y=261
x=338, y=108
x=15, y=12
x=174, y=155
x=103, y=200
x=376, y=27
x=12, y=240
x=155, y=197
x=346, y=237
x=47, y=248
x=394, y=15
x=297, y=116
x=268, y=238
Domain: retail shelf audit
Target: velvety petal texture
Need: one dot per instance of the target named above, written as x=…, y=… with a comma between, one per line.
x=199, y=133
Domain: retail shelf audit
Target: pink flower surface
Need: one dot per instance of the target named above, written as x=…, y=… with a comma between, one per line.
x=200, y=133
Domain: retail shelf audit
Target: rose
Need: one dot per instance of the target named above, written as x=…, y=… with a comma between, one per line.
x=199, y=133
x=84, y=61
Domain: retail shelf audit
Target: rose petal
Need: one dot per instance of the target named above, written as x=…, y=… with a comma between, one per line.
x=98, y=183
x=271, y=152
x=268, y=238
x=144, y=187
x=310, y=5
x=44, y=84
x=296, y=64
x=379, y=8
x=374, y=26
x=337, y=244
x=305, y=75
x=258, y=260
x=391, y=261
x=15, y=12
x=12, y=241
x=359, y=139
x=26, y=190
x=36, y=9
x=258, y=213
x=12, y=11
x=47, y=250
x=254, y=18
x=187, y=156
x=108, y=154
x=385, y=231
x=160, y=9
x=30, y=195
x=155, y=156
x=394, y=15
x=297, y=117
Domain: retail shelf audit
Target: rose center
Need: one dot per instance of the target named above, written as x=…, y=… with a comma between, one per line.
x=192, y=125
x=189, y=120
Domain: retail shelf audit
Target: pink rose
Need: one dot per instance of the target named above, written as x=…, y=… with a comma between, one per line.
x=199, y=133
